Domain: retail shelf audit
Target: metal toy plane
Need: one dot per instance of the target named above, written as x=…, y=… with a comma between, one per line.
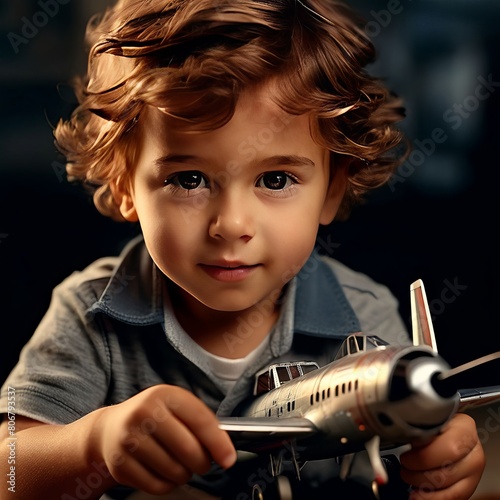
x=372, y=397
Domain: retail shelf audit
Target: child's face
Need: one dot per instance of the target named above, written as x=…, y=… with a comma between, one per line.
x=232, y=214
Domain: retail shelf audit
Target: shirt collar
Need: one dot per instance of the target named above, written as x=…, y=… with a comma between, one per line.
x=134, y=291
x=134, y=295
x=321, y=307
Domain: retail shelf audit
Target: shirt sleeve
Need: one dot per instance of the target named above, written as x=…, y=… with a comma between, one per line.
x=63, y=370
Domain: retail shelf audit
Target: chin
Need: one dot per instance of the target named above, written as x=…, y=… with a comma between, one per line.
x=227, y=306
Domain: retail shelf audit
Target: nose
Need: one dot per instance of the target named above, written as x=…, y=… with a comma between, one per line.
x=233, y=218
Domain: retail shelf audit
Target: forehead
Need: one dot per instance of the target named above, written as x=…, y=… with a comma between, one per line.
x=257, y=120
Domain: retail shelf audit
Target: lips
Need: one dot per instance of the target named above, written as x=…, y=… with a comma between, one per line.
x=229, y=271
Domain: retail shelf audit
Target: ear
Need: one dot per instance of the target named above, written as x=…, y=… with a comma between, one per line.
x=122, y=196
x=335, y=194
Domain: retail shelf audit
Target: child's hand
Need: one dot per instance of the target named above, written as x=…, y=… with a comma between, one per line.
x=157, y=439
x=450, y=466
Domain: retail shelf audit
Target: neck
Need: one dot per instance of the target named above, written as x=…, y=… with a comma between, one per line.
x=229, y=334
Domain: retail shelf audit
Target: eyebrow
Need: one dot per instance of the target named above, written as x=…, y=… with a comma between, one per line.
x=286, y=161
x=269, y=162
x=171, y=158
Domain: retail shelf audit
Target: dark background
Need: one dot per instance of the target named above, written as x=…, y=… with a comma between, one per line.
x=437, y=222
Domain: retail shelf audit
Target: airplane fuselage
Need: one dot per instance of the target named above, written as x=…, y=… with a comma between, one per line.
x=386, y=391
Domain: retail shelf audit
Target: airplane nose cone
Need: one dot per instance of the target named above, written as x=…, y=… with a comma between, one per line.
x=421, y=401
x=421, y=377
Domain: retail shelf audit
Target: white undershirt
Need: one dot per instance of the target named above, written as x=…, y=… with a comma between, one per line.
x=225, y=372
x=228, y=370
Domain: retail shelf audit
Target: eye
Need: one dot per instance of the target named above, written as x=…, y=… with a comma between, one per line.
x=276, y=181
x=188, y=180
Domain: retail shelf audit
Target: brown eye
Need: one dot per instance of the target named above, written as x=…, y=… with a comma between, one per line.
x=274, y=181
x=189, y=180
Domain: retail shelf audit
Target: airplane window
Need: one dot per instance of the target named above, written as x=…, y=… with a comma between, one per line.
x=343, y=388
x=328, y=393
x=323, y=394
x=336, y=390
x=350, y=386
x=312, y=399
x=356, y=385
x=317, y=396
x=309, y=367
x=263, y=383
x=283, y=375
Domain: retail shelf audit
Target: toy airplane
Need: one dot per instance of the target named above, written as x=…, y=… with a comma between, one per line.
x=372, y=397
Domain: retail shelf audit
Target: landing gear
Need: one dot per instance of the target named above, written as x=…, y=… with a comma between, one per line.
x=284, y=488
x=257, y=493
x=282, y=491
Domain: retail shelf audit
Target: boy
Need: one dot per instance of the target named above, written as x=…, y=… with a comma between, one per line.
x=229, y=131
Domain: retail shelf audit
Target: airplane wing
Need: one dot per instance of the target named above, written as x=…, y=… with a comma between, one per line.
x=259, y=434
x=472, y=398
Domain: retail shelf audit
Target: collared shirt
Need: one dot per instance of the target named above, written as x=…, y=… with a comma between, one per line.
x=110, y=332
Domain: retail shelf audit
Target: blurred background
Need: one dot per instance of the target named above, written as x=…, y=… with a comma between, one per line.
x=435, y=221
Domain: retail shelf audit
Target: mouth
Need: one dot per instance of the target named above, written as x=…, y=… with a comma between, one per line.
x=229, y=271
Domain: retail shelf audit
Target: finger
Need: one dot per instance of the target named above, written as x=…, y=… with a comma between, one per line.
x=161, y=463
x=461, y=490
x=456, y=441
x=448, y=474
x=182, y=445
x=203, y=424
x=130, y=472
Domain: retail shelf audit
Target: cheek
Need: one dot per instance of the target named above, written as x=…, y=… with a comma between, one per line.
x=168, y=233
x=296, y=237
x=299, y=227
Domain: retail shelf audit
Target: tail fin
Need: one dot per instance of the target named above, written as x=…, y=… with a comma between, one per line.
x=422, y=329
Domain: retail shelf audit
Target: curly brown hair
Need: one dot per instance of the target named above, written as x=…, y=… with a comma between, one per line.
x=193, y=58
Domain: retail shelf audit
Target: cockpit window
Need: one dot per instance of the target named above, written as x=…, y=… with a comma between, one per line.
x=280, y=373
